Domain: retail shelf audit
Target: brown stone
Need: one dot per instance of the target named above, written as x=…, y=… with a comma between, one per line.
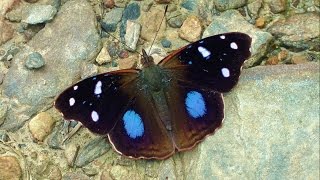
x=10, y=168
x=150, y=22
x=109, y=3
x=191, y=29
x=299, y=59
x=6, y=31
x=260, y=22
x=128, y=62
x=41, y=126
x=273, y=60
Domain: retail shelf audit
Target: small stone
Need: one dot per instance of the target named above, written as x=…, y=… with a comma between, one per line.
x=3, y=111
x=189, y=4
x=31, y=1
x=109, y=3
x=4, y=136
x=277, y=6
x=299, y=59
x=37, y=13
x=6, y=31
x=254, y=8
x=113, y=49
x=88, y=70
x=150, y=23
x=166, y=43
x=191, y=29
x=75, y=175
x=41, y=126
x=223, y=5
x=123, y=54
x=128, y=62
x=10, y=168
x=260, y=22
x=176, y=19
x=131, y=12
x=104, y=56
x=163, y=1
x=34, y=61
x=132, y=35
x=111, y=19
x=70, y=153
x=273, y=60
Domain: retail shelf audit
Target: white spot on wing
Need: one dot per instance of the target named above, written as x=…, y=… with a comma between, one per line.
x=94, y=116
x=233, y=45
x=204, y=52
x=97, y=89
x=225, y=72
x=222, y=37
x=75, y=87
x=72, y=101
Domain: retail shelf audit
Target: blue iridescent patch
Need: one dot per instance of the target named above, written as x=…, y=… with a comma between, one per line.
x=133, y=124
x=195, y=104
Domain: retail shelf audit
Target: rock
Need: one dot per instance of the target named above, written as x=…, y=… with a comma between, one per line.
x=104, y=56
x=132, y=35
x=109, y=3
x=298, y=32
x=271, y=121
x=75, y=175
x=277, y=6
x=128, y=62
x=254, y=8
x=111, y=19
x=34, y=61
x=6, y=31
x=176, y=19
x=131, y=12
x=223, y=5
x=232, y=20
x=150, y=22
x=189, y=4
x=10, y=168
x=37, y=13
x=299, y=59
x=4, y=136
x=163, y=1
x=166, y=43
x=70, y=153
x=64, y=43
x=41, y=126
x=88, y=70
x=123, y=54
x=6, y=5
x=191, y=29
x=91, y=151
x=3, y=110
x=260, y=22
x=15, y=14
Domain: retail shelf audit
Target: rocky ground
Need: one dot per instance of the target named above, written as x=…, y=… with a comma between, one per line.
x=271, y=129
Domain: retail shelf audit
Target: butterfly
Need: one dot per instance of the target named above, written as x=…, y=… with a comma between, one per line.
x=161, y=108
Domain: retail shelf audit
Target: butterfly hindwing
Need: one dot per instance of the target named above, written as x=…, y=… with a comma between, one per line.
x=140, y=132
x=97, y=101
x=195, y=113
x=214, y=62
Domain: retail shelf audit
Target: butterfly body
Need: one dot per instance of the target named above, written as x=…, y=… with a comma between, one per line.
x=165, y=107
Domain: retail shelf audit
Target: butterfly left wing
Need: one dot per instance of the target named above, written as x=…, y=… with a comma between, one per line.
x=98, y=101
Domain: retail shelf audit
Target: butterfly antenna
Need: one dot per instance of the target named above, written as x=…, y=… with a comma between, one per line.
x=164, y=15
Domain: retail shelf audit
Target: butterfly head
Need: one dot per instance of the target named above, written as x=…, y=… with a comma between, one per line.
x=146, y=60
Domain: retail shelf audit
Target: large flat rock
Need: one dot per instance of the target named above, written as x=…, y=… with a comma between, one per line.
x=271, y=129
x=65, y=43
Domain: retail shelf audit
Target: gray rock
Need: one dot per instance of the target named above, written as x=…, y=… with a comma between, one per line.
x=270, y=131
x=132, y=35
x=232, y=20
x=34, y=61
x=202, y=8
x=277, y=6
x=223, y=5
x=111, y=19
x=92, y=150
x=3, y=110
x=64, y=43
x=36, y=13
x=131, y=12
x=298, y=32
x=166, y=43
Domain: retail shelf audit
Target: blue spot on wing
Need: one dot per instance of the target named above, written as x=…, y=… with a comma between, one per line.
x=195, y=104
x=133, y=124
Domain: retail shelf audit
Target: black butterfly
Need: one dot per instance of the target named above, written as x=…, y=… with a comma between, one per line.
x=152, y=112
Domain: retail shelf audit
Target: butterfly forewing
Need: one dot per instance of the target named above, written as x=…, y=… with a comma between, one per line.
x=214, y=62
x=98, y=101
